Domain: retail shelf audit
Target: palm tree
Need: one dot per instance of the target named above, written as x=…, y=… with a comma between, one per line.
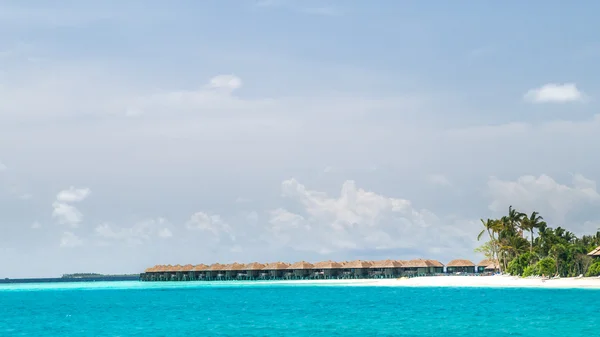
x=492, y=227
x=530, y=223
x=514, y=219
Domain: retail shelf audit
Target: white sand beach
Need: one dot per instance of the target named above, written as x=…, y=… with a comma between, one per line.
x=498, y=281
x=491, y=281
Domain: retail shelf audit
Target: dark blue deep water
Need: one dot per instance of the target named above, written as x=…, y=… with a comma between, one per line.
x=246, y=309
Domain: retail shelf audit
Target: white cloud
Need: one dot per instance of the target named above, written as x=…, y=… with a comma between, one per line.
x=543, y=194
x=3, y=167
x=227, y=82
x=359, y=219
x=73, y=195
x=69, y=240
x=36, y=225
x=140, y=232
x=165, y=233
x=66, y=213
x=439, y=179
x=555, y=93
x=202, y=221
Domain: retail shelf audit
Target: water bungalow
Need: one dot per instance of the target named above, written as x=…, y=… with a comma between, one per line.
x=274, y=271
x=215, y=271
x=358, y=269
x=386, y=269
x=253, y=270
x=300, y=270
x=199, y=272
x=492, y=268
x=185, y=272
x=460, y=266
x=423, y=267
x=327, y=269
x=234, y=271
x=482, y=264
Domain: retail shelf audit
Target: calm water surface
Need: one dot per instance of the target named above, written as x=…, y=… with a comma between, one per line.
x=242, y=309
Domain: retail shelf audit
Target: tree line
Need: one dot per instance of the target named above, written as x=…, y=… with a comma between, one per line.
x=523, y=244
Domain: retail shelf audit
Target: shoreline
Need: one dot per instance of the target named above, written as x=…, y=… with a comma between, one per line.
x=497, y=281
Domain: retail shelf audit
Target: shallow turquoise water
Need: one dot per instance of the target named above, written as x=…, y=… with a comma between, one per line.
x=247, y=309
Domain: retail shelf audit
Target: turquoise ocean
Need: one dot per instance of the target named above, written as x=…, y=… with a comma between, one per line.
x=279, y=309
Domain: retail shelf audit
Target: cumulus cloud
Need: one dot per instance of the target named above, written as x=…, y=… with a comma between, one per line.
x=227, y=82
x=73, y=195
x=201, y=221
x=3, y=167
x=66, y=213
x=36, y=225
x=165, y=233
x=555, y=93
x=543, y=194
x=70, y=240
x=359, y=220
x=139, y=233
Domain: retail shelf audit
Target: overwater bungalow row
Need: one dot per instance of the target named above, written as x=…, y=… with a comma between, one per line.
x=303, y=270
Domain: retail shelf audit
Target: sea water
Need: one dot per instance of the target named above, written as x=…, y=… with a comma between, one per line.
x=288, y=309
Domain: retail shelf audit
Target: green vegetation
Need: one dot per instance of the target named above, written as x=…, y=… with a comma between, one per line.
x=525, y=245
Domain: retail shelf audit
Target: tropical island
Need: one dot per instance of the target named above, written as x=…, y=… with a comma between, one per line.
x=76, y=277
x=521, y=249
x=524, y=245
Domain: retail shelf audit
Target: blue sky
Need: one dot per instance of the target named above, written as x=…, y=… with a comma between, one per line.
x=139, y=132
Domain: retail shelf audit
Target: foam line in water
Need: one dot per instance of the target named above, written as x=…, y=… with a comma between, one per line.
x=170, y=285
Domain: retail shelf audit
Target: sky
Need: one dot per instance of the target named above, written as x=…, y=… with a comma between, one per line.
x=135, y=133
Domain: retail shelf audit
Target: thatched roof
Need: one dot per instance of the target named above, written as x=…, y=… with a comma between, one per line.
x=434, y=263
x=254, y=266
x=485, y=262
x=188, y=267
x=416, y=263
x=234, y=266
x=492, y=266
x=276, y=266
x=301, y=265
x=177, y=268
x=595, y=252
x=357, y=264
x=386, y=264
x=200, y=267
x=216, y=266
x=460, y=263
x=422, y=263
x=328, y=265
